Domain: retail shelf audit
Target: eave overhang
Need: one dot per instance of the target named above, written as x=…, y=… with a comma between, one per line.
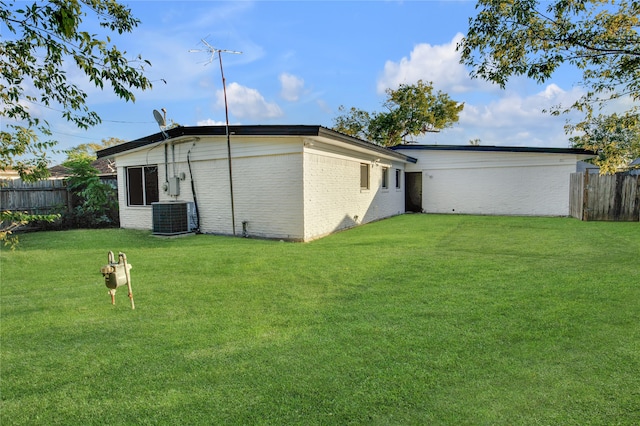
x=252, y=130
x=492, y=148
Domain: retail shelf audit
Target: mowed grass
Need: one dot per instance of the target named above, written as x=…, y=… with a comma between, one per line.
x=418, y=319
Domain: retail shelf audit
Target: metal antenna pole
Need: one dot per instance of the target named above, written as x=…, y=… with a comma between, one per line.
x=213, y=51
x=226, y=128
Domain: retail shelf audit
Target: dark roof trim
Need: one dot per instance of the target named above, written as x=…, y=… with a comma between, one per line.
x=250, y=130
x=491, y=148
x=325, y=132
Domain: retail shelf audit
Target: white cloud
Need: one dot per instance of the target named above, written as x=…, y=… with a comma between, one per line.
x=515, y=110
x=517, y=120
x=324, y=106
x=248, y=103
x=291, y=87
x=495, y=116
x=210, y=122
x=439, y=64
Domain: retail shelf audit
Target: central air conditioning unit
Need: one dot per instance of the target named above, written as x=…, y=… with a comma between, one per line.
x=174, y=218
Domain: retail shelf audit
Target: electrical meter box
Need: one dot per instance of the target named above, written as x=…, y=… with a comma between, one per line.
x=115, y=275
x=174, y=186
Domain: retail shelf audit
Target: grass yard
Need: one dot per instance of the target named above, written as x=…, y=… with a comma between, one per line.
x=418, y=319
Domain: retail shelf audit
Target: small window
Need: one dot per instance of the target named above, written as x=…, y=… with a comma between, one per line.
x=364, y=176
x=398, y=177
x=142, y=185
x=385, y=177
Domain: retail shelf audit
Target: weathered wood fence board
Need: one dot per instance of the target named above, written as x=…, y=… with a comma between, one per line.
x=609, y=197
x=42, y=197
x=576, y=195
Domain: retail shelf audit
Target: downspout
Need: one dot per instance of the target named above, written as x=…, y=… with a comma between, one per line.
x=193, y=188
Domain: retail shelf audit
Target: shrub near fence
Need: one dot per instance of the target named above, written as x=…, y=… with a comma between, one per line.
x=42, y=197
x=608, y=197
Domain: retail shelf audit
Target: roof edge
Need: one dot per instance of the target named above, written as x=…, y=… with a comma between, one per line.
x=493, y=148
x=248, y=130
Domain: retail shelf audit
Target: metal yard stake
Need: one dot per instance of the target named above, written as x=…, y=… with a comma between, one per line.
x=116, y=275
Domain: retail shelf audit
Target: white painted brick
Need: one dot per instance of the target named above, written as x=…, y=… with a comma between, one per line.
x=492, y=183
x=279, y=191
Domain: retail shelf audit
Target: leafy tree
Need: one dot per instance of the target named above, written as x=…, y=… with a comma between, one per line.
x=40, y=40
x=411, y=110
x=355, y=122
x=88, y=150
x=615, y=138
x=14, y=220
x=534, y=38
x=98, y=203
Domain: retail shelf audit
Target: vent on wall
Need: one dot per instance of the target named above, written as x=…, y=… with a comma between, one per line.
x=174, y=218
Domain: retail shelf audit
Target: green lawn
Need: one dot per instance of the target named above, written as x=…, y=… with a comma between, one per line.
x=418, y=319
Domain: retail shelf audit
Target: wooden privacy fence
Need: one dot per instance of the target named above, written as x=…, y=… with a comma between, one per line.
x=608, y=197
x=42, y=197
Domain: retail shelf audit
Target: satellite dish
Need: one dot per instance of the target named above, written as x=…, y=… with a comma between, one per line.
x=162, y=122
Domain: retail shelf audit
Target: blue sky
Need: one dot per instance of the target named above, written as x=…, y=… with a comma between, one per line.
x=301, y=60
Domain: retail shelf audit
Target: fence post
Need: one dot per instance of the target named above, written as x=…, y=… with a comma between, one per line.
x=69, y=198
x=585, y=196
x=636, y=210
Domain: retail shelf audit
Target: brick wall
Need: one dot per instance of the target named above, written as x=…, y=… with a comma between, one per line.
x=333, y=197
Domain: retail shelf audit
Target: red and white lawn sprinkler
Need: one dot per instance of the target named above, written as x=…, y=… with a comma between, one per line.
x=116, y=275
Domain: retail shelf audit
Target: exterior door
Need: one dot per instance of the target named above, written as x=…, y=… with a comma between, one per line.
x=413, y=192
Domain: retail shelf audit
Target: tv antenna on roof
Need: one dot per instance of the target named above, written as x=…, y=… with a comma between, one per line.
x=212, y=51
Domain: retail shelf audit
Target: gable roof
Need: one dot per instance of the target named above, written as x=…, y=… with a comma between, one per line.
x=105, y=167
x=492, y=148
x=251, y=130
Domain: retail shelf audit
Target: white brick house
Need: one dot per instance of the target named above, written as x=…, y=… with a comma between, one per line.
x=491, y=180
x=300, y=183
x=295, y=183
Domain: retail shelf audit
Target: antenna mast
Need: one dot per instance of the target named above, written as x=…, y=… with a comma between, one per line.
x=212, y=50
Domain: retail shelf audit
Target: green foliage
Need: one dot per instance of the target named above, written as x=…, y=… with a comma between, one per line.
x=466, y=320
x=412, y=110
x=98, y=205
x=22, y=151
x=88, y=150
x=38, y=41
x=12, y=220
x=355, y=122
x=616, y=140
x=534, y=38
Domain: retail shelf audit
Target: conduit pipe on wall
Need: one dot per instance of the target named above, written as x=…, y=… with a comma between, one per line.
x=175, y=141
x=166, y=164
x=173, y=158
x=193, y=188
